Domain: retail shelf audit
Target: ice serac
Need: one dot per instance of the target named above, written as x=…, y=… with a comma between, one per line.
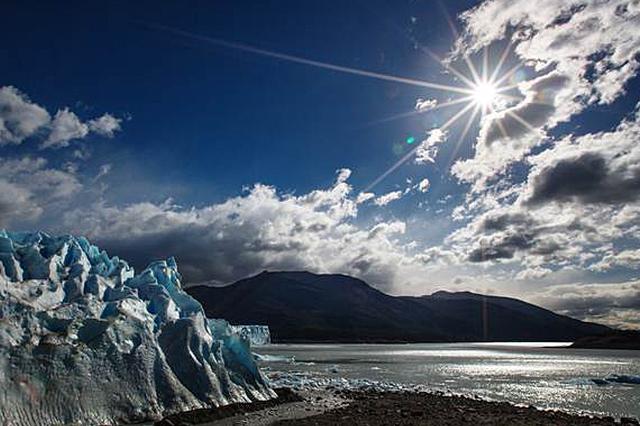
x=83, y=340
x=255, y=334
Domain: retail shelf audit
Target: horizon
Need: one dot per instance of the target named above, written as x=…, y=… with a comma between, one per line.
x=416, y=146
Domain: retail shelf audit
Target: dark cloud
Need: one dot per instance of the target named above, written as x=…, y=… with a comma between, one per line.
x=588, y=179
x=502, y=221
x=247, y=234
x=507, y=233
x=484, y=254
x=503, y=246
x=200, y=255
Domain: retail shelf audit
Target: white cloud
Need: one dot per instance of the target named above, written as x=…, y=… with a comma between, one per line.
x=259, y=230
x=104, y=170
x=343, y=175
x=364, y=197
x=428, y=148
x=107, y=125
x=624, y=258
x=586, y=50
x=65, y=127
x=533, y=273
x=509, y=134
x=19, y=117
x=385, y=199
x=437, y=255
x=579, y=207
x=423, y=105
x=424, y=185
x=29, y=187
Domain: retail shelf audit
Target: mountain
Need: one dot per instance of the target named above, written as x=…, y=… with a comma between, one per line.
x=617, y=339
x=305, y=307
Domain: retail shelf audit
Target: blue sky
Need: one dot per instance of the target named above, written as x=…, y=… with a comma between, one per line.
x=215, y=119
x=135, y=125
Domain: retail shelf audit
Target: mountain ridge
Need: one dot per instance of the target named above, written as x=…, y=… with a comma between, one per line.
x=300, y=306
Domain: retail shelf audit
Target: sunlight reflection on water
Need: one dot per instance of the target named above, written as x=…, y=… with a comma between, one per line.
x=547, y=375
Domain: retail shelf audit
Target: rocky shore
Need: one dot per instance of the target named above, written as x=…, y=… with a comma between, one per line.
x=337, y=407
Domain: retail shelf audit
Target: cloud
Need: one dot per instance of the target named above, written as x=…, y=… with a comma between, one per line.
x=423, y=105
x=107, y=125
x=577, y=208
x=596, y=168
x=508, y=135
x=28, y=187
x=437, y=255
x=342, y=175
x=104, y=170
x=625, y=258
x=428, y=148
x=586, y=178
x=424, y=185
x=534, y=273
x=19, y=117
x=364, y=197
x=65, y=127
x=587, y=51
x=532, y=113
x=262, y=229
x=615, y=304
x=385, y=199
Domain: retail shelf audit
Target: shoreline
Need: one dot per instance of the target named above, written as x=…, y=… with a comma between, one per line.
x=332, y=406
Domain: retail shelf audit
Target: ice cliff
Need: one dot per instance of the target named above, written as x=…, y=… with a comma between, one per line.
x=255, y=334
x=83, y=340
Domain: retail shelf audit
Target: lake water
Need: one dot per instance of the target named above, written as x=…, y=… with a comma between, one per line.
x=546, y=375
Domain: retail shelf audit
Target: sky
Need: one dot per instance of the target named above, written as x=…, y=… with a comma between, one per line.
x=419, y=145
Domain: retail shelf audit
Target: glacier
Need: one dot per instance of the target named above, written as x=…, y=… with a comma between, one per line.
x=257, y=335
x=85, y=340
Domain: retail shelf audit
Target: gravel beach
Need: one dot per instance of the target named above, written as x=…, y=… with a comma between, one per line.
x=337, y=407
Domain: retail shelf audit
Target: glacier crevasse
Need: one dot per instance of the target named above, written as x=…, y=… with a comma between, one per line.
x=83, y=340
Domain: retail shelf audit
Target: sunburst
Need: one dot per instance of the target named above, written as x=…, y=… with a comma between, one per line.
x=481, y=92
x=478, y=91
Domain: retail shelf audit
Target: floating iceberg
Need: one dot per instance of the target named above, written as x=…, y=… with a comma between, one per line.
x=85, y=341
x=255, y=334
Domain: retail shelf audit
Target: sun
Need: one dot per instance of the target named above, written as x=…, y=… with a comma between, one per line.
x=484, y=94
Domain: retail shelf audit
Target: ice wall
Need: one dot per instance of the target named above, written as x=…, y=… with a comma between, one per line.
x=83, y=340
x=255, y=334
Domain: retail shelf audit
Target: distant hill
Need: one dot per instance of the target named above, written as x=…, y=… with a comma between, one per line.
x=618, y=339
x=305, y=307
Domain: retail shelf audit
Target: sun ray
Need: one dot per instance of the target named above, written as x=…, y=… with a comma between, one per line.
x=467, y=60
x=446, y=65
x=458, y=144
x=413, y=150
x=485, y=64
x=305, y=61
x=472, y=69
x=481, y=88
x=455, y=118
x=521, y=121
x=508, y=75
x=500, y=126
x=498, y=67
x=417, y=112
